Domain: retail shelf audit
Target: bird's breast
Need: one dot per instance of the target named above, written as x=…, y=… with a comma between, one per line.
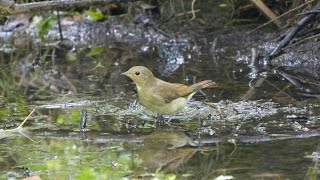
x=157, y=103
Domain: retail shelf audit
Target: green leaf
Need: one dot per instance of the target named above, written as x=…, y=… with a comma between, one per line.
x=70, y=57
x=75, y=116
x=222, y=5
x=96, y=15
x=46, y=25
x=60, y=119
x=95, y=51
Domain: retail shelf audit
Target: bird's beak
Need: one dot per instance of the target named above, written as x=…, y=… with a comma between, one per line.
x=125, y=73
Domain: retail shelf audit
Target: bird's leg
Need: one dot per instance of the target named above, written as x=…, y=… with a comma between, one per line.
x=133, y=105
x=164, y=119
x=83, y=122
x=169, y=119
x=160, y=118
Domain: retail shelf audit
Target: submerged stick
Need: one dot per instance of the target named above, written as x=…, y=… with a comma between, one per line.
x=9, y=132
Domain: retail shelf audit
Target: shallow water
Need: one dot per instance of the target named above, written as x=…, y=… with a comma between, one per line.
x=237, y=129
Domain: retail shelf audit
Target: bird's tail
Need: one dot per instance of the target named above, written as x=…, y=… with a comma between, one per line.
x=203, y=84
x=189, y=91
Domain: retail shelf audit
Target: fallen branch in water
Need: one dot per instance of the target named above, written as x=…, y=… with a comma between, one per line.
x=10, y=132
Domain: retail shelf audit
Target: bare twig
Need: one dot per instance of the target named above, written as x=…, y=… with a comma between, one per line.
x=284, y=14
x=25, y=120
x=192, y=9
x=267, y=11
x=301, y=41
x=10, y=132
x=294, y=31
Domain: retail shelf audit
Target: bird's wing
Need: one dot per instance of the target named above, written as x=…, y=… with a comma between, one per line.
x=184, y=91
x=171, y=91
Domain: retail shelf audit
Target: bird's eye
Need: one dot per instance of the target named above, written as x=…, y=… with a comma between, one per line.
x=137, y=73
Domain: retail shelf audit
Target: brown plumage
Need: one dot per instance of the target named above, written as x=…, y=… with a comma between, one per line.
x=160, y=96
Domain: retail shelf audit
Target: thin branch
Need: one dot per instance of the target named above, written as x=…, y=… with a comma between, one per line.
x=192, y=9
x=267, y=11
x=284, y=14
x=20, y=126
x=294, y=31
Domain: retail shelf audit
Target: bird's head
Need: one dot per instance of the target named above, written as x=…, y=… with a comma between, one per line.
x=140, y=75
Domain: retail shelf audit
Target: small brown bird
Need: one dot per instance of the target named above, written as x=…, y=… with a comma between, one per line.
x=160, y=96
